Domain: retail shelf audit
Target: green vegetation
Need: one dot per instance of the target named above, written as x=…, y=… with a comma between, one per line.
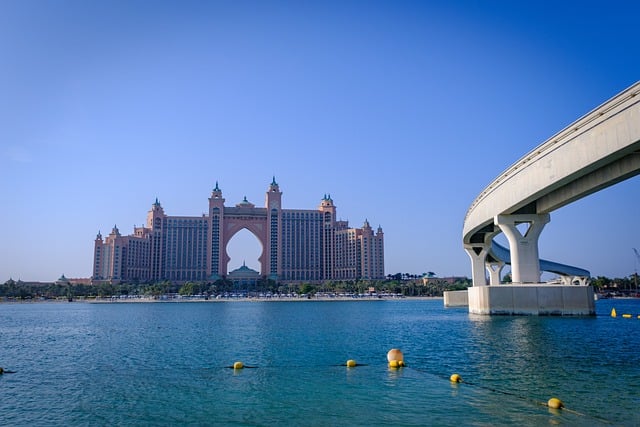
x=401, y=284
x=626, y=286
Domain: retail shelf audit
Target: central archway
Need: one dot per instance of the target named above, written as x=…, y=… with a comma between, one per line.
x=256, y=226
x=244, y=249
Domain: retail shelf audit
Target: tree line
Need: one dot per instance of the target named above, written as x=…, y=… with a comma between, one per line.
x=406, y=285
x=618, y=286
x=400, y=283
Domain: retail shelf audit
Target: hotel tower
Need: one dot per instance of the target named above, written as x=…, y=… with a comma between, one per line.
x=297, y=245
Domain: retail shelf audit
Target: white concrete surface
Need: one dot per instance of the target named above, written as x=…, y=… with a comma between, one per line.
x=538, y=299
x=456, y=299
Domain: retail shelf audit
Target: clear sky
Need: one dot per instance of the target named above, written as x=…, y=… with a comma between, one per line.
x=403, y=111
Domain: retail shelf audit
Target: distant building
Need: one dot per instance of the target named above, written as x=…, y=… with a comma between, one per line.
x=63, y=281
x=80, y=281
x=244, y=277
x=297, y=245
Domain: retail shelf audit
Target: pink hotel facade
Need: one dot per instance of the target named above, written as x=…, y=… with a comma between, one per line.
x=297, y=245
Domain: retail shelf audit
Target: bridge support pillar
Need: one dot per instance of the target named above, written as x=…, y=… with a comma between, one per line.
x=495, y=268
x=478, y=255
x=571, y=280
x=525, y=262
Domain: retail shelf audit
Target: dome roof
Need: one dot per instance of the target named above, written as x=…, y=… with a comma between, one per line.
x=245, y=204
x=243, y=271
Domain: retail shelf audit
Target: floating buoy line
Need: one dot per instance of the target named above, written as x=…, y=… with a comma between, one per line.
x=395, y=360
x=625, y=315
x=553, y=403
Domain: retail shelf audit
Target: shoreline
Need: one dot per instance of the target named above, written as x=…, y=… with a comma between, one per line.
x=146, y=300
x=175, y=300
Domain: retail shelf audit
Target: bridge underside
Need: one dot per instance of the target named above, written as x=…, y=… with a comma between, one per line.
x=608, y=174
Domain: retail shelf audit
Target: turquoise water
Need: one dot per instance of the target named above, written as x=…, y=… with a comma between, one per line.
x=83, y=364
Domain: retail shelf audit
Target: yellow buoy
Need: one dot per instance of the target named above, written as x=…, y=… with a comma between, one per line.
x=238, y=365
x=455, y=378
x=395, y=354
x=555, y=403
x=613, y=312
x=626, y=316
x=351, y=363
x=394, y=364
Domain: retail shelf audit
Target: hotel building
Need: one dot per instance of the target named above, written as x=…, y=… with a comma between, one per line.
x=297, y=245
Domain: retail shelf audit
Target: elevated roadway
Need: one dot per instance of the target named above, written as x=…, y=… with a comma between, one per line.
x=598, y=150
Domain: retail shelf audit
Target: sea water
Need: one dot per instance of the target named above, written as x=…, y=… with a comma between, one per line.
x=166, y=364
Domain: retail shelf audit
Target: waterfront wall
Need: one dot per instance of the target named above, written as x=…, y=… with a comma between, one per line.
x=456, y=298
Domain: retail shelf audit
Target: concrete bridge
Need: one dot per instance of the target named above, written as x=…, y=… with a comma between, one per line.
x=597, y=151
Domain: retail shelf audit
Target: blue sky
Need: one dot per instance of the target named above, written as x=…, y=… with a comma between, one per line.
x=403, y=111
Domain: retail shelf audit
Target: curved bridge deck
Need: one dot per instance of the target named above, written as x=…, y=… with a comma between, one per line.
x=598, y=150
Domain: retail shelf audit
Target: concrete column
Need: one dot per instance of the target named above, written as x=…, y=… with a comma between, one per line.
x=478, y=255
x=525, y=262
x=566, y=280
x=570, y=280
x=494, y=269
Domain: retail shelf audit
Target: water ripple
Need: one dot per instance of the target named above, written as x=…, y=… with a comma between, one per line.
x=168, y=364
